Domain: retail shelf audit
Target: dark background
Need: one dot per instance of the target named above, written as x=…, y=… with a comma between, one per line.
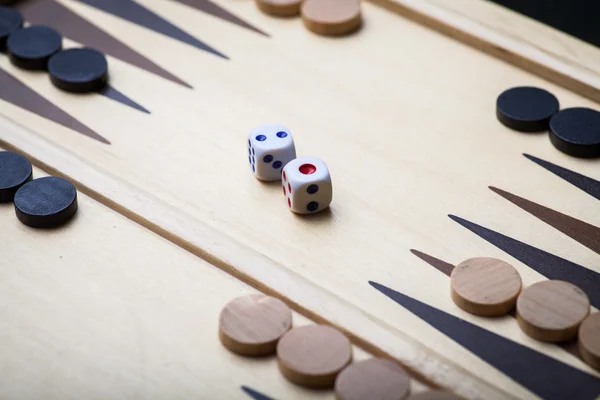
x=579, y=18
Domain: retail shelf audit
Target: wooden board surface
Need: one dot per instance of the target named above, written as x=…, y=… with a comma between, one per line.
x=519, y=40
x=409, y=133
x=103, y=308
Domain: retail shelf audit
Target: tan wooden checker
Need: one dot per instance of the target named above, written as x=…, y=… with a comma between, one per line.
x=280, y=8
x=252, y=325
x=589, y=340
x=485, y=286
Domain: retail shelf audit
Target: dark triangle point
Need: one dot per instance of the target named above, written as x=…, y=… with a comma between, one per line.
x=21, y=95
x=115, y=95
x=442, y=266
x=547, y=264
x=255, y=395
x=77, y=28
x=588, y=185
x=138, y=14
x=213, y=9
x=543, y=375
x=580, y=231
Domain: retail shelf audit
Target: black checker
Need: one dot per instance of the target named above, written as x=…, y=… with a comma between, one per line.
x=46, y=202
x=15, y=171
x=576, y=131
x=79, y=70
x=10, y=21
x=32, y=47
x=526, y=109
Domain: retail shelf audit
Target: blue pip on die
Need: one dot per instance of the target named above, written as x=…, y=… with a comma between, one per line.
x=270, y=148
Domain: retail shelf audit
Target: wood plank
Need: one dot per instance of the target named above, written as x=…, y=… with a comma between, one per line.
x=245, y=263
x=512, y=37
x=103, y=308
x=409, y=139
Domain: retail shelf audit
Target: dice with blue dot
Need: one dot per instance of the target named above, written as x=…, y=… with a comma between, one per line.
x=270, y=148
x=307, y=185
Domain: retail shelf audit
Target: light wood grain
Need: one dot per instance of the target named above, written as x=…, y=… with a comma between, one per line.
x=552, y=311
x=102, y=308
x=409, y=141
x=514, y=38
x=434, y=395
x=230, y=255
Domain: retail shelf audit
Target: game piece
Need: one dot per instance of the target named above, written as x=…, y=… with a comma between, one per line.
x=526, y=109
x=576, y=131
x=485, y=286
x=589, y=340
x=313, y=355
x=307, y=185
x=551, y=311
x=375, y=378
x=252, y=325
x=280, y=8
x=331, y=17
x=79, y=70
x=434, y=395
x=270, y=148
x=10, y=20
x=32, y=47
x=46, y=202
x=15, y=171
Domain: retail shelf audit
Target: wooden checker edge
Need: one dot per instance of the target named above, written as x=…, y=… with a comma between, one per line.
x=376, y=379
x=331, y=17
x=485, y=286
x=589, y=340
x=280, y=8
x=313, y=356
x=252, y=325
x=551, y=311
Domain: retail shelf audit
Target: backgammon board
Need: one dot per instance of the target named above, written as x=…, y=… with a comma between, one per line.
x=123, y=302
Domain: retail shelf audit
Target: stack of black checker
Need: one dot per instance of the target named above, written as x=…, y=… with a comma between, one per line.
x=574, y=131
x=46, y=202
x=39, y=48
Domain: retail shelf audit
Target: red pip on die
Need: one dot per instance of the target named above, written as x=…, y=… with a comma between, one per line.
x=307, y=185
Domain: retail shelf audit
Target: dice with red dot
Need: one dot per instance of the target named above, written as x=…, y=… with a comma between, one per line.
x=307, y=185
x=270, y=148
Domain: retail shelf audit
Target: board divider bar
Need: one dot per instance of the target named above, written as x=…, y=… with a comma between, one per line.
x=522, y=54
x=246, y=264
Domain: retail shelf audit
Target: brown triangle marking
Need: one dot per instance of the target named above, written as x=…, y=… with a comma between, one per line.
x=446, y=268
x=543, y=375
x=438, y=264
x=73, y=26
x=586, y=234
x=17, y=93
x=211, y=8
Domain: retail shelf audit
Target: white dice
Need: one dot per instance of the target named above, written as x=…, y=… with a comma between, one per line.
x=307, y=185
x=270, y=148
